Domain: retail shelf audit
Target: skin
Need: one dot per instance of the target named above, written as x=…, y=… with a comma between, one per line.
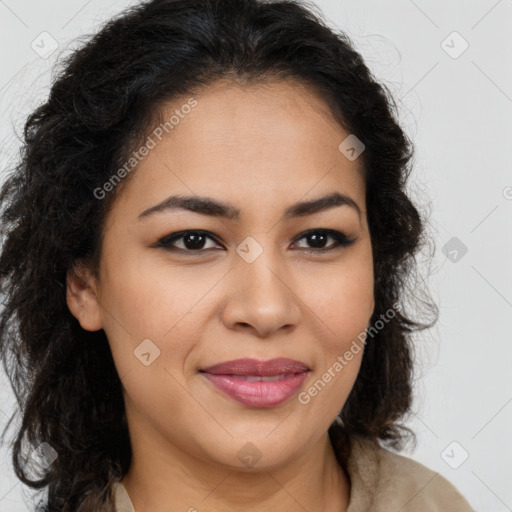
x=260, y=148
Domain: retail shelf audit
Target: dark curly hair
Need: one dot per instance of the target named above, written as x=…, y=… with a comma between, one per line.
x=104, y=98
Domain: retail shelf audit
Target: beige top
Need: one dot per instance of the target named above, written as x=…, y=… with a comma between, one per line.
x=380, y=480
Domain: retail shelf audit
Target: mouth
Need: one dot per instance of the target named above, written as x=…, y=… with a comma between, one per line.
x=256, y=383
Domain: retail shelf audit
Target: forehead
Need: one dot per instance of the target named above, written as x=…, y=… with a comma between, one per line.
x=271, y=141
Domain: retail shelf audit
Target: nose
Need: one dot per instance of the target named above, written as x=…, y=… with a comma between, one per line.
x=261, y=297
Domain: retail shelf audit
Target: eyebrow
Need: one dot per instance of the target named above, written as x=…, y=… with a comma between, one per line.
x=215, y=208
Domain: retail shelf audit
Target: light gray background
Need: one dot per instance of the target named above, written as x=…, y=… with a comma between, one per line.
x=458, y=111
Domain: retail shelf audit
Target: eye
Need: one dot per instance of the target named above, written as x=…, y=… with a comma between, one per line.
x=318, y=238
x=190, y=240
x=196, y=241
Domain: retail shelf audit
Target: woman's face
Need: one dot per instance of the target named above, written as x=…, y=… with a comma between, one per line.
x=245, y=287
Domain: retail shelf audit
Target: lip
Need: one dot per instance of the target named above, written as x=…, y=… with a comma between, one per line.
x=257, y=368
x=238, y=380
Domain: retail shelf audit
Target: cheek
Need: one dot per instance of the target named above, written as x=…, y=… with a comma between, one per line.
x=150, y=297
x=159, y=303
x=342, y=299
x=151, y=326
x=343, y=302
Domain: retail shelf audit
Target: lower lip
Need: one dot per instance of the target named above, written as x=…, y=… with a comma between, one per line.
x=257, y=393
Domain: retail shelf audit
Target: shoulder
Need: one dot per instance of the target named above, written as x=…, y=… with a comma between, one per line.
x=121, y=498
x=385, y=480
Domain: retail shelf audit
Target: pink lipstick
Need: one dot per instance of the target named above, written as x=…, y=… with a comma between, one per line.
x=258, y=383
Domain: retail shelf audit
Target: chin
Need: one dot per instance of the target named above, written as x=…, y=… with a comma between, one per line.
x=255, y=450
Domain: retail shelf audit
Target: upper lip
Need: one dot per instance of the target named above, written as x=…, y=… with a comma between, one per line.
x=279, y=366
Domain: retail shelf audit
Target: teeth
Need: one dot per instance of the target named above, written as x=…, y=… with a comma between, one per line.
x=256, y=378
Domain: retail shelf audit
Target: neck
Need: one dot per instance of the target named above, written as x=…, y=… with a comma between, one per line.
x=176, y=481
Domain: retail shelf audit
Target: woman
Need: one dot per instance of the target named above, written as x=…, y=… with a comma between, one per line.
x=205, y=252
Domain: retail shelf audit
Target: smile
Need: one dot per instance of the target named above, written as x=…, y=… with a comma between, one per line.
x=255, y=383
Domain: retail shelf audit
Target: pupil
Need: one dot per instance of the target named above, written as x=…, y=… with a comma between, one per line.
x=314, y=239
x=194, y=241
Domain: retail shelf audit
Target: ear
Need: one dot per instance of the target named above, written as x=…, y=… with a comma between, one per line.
x=82, y=299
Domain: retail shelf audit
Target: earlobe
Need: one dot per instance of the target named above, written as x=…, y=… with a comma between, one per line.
x=81, y=298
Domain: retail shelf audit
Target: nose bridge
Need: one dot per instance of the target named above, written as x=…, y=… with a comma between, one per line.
x=260, y=265
x=261, y=292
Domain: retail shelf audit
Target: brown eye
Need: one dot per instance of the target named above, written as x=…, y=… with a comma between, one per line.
x=318, y=240
x=191, y=241
x=196, y=241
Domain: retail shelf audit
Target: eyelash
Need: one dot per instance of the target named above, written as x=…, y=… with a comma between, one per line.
x=340, y=238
